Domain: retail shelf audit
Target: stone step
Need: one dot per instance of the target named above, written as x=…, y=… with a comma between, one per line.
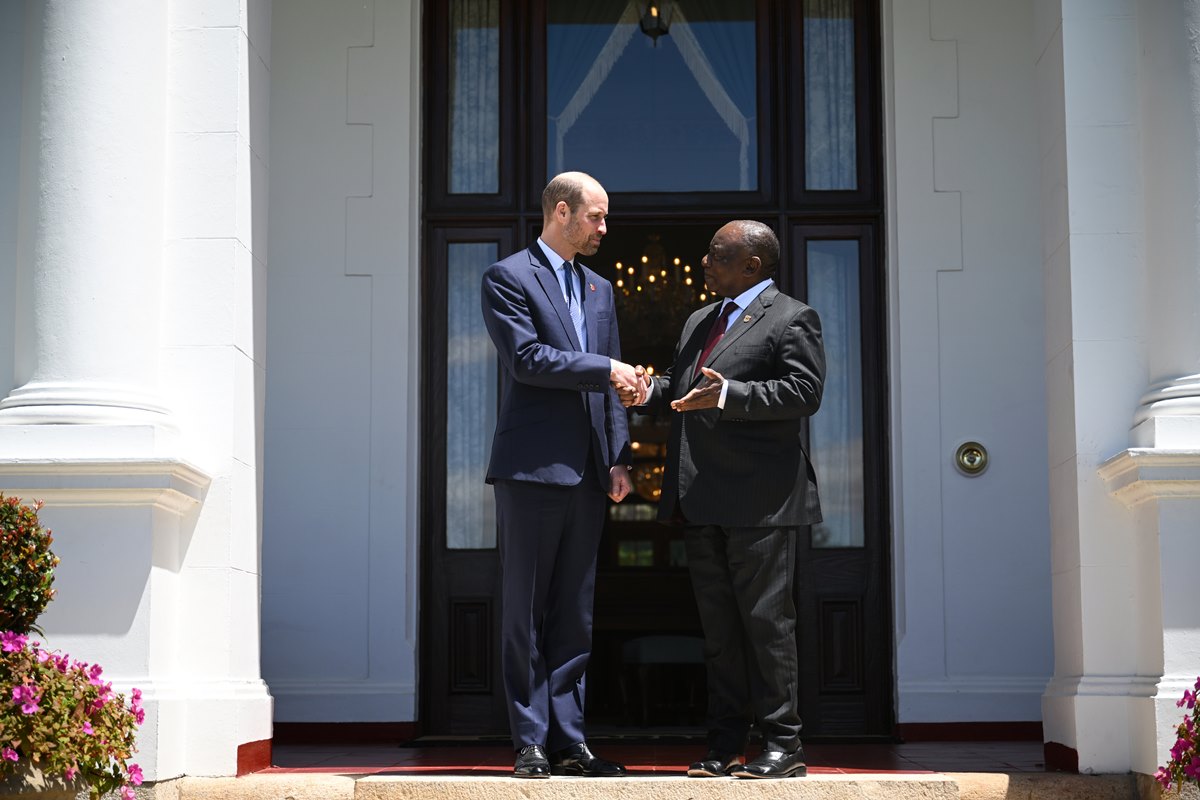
x=867, y=786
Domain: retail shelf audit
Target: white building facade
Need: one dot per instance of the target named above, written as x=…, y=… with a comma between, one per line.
x=215, y=238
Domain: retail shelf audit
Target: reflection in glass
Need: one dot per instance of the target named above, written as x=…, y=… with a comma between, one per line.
x=677, y=116
x=474, y=96
x=635, y=553
x=836, y=432
x=830, y=138
x=470, y=401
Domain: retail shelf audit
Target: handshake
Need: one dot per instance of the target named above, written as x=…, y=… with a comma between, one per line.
x=631, y=383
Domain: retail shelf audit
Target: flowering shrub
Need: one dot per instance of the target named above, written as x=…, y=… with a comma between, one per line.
x=26, y=566
x=60, y=716
x=1184, y=765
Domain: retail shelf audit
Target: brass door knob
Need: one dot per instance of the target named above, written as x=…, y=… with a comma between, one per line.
x=971, y=458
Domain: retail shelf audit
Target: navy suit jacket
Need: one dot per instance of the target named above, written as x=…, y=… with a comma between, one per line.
x=555, y=400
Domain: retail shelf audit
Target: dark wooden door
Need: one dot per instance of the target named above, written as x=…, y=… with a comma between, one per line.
x=758, y=109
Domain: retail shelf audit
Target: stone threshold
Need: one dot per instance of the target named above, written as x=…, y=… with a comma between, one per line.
x=867, y=786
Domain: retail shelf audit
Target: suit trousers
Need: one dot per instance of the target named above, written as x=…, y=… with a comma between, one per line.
x=743, y=580
x=549, y=537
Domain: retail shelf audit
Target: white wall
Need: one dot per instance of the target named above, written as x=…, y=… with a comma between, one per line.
x=971, y=554
x=12, y=56
x=340, y=581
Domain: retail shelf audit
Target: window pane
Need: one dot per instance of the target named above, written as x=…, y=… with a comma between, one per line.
x=470, y=401
x=474, y=96
x=830, y=131
x=836, y=432
x=676, y=114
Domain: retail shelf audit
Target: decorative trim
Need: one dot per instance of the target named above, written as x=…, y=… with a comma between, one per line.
x=1103, y=686
x=1030, y=731
x=164, y=483
x=253, y=756
x=1177, y=397
x=1139, y=474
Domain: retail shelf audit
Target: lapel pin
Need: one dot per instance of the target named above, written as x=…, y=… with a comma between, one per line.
x=592, y=286
x=747, y=318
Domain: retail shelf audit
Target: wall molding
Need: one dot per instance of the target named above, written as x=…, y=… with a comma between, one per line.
x=1139, y=474
x=168, y=484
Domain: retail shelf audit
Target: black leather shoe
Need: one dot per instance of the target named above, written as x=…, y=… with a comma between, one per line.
x=715, y=764
x=775, y=765
x=531, y=762
x=579, y=760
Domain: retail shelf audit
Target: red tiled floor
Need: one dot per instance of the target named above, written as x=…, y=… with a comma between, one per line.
x=658, y=759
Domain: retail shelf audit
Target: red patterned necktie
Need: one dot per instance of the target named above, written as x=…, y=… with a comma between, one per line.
x=714, y=335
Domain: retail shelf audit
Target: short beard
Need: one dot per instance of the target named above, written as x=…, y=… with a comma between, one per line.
x=583, y=248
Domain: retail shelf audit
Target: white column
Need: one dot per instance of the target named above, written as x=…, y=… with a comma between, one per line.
x=1169, y=413
x=1094, y=254
x=88, y=329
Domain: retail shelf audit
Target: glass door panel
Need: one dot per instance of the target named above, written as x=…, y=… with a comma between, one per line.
x=673, y=114
x=836, y=432
x=471, y=399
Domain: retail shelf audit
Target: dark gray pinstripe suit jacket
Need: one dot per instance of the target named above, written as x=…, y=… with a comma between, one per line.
x=745, y=465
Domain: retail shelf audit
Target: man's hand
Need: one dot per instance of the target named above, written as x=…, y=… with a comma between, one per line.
x=622, y=374
x=637, y=394
x=619, y=483
x=705, y=395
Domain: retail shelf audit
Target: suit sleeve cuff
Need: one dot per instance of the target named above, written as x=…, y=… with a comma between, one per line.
x=724, y=392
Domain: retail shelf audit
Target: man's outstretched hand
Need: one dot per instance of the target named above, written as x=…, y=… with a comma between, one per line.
x=705, y=395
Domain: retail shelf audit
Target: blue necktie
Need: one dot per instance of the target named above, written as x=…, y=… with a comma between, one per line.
x=573, y=306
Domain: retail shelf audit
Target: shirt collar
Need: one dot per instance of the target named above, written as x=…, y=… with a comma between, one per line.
x=744, y=299
x=556, y=261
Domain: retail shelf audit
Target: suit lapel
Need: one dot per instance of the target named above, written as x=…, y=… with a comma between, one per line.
x=697, y=338
x=744, y=321
x=587, y=297
x=548, y=278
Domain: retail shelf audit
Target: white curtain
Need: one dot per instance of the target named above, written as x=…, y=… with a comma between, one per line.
x=474, y=97
x=836, y=432
x=586, y=42
x=830, y=135
x=470, y=401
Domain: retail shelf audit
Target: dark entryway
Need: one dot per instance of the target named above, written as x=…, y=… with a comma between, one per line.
x=745, y=109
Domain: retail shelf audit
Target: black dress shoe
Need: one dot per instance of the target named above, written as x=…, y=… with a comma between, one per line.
x=531, y=762
x=774, y=764
x=715, y=764
x=579, y=760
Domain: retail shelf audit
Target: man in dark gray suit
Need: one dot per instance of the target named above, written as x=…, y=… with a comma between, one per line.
x=747, y=372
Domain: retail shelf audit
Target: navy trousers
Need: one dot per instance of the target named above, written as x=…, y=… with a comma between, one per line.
x=549, y=537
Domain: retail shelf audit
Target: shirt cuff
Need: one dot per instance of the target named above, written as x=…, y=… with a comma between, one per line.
x=724, y=391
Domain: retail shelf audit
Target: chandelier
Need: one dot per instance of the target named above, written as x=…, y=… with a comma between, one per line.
x=656, y=294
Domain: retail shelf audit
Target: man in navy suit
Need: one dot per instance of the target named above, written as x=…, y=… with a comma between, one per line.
x=561, y=445
x=748, y=371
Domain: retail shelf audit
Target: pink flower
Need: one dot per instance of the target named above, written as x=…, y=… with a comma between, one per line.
x=1192, y=769
x=43, y=656
x=1188, y=699
x=27, y=696
x=9, y=754
x=127, y=793
x=87, y=728
x=135, y=774
x=94, y=675
x=1181, y=746
x=140, y=715
x=71, y=772
x=11, y=642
